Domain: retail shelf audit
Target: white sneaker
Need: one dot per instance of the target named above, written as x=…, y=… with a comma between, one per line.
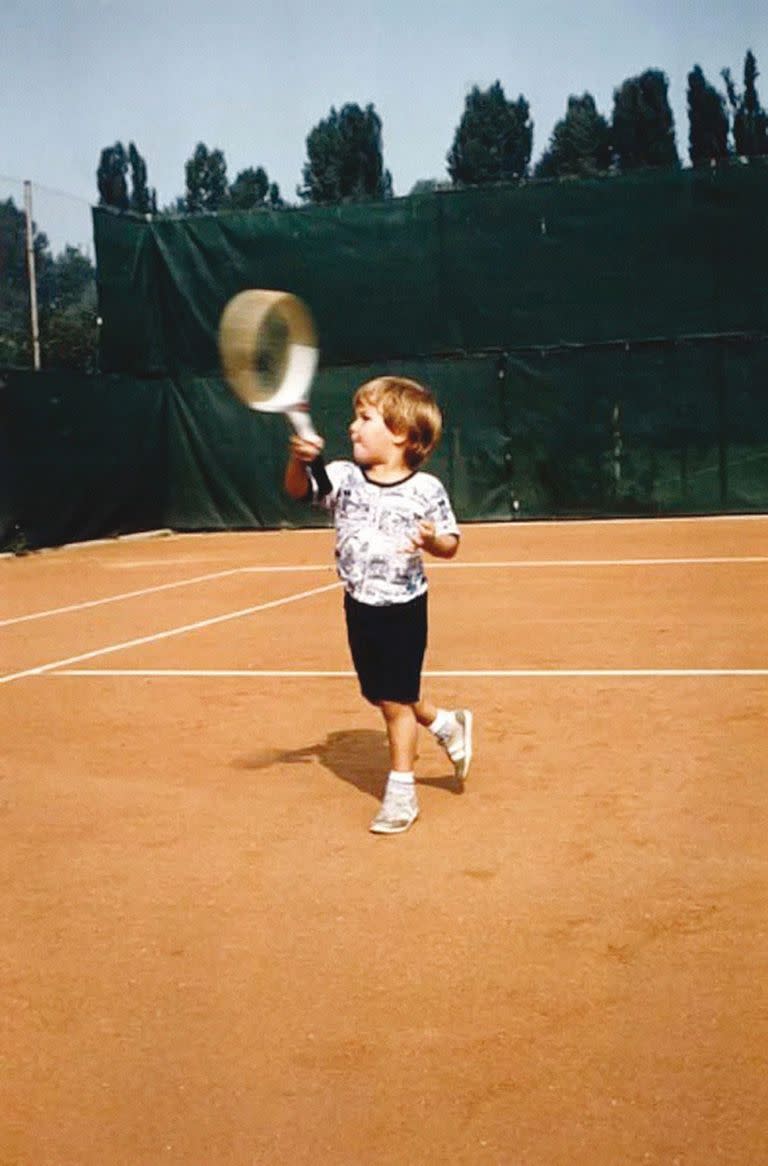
x=399, y=809
x=456, y=739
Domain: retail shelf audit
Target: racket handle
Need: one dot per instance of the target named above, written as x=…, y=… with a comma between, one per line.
x=320, y=474
x=302, y=423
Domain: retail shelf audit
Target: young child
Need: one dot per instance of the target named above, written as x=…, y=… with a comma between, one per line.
x=386, y=513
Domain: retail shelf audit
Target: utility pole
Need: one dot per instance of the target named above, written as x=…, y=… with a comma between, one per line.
x=31, y=275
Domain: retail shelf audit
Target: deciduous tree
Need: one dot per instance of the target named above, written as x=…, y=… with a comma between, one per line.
x=493, y=140
x=580, y=144
x=345, y=158
x=206, y=178
x=252, y=189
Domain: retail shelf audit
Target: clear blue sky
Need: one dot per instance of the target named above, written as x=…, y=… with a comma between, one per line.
x=253, y=78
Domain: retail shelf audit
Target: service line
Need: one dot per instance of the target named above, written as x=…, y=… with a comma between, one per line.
x=54, y=665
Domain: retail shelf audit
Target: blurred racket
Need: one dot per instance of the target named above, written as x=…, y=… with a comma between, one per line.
x=268, y=349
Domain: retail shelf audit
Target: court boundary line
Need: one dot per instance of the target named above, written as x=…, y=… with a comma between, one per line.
x=168, y=633
x=70, y=607
x=301, y=568
x=430, y=673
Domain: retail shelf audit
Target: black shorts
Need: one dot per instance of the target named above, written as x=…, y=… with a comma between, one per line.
x=387, y=646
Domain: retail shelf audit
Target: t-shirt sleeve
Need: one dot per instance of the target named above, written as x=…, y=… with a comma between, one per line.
x=440, y=511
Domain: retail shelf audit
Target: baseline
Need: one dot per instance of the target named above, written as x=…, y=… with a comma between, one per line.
x=456, y=673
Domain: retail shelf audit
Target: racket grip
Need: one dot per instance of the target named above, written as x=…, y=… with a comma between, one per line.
x=302, y=423
x=320, y=474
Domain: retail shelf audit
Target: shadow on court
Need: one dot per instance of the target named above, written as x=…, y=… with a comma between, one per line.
x=357, y=756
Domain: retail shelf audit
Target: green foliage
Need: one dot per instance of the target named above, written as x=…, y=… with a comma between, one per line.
x=15, y=340
x=345, y=159
x=252, y=190
x=115, y=163
x=580, y=145
x=707, y=121
x=750, y=121
x=493, y=140
x=111, y=177
x=66, y=298
x=206, y=176
x=643, y=131
x=428, y=185
x=69, y=335
x=143, y=200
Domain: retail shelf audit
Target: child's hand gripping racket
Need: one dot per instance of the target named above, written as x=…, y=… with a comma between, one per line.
x=269, y=353
x=268, y=349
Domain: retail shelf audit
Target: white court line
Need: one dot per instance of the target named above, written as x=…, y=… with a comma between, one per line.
x=116, y=598
x=287, y=569
x=191, y=627
x=526, y=563
x=644, y=520
x=490, y=673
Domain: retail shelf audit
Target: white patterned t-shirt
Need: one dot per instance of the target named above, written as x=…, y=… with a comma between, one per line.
x=374, y=523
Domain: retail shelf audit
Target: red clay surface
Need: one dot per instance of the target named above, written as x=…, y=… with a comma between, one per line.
x=207, y=959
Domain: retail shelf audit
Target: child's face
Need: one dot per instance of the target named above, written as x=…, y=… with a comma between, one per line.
x=372, y=442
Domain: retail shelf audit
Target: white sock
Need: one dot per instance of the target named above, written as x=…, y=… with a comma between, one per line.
x=404, y=777
x=443, y=721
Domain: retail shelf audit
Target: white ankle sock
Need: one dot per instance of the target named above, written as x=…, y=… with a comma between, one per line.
x=402, y=776
x=442, y=721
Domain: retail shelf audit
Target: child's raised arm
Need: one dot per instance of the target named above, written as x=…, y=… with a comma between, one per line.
x=302, y=453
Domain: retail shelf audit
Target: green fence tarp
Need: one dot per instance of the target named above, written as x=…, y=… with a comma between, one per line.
x=664, y=254
x=598, y=347
x=650, y=429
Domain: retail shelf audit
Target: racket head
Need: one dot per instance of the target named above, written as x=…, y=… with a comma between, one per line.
x=268, y=349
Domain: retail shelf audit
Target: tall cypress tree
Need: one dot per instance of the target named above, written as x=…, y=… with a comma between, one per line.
x=111, y=177
x=750, y=121
x=643, y=129
x=707, y=121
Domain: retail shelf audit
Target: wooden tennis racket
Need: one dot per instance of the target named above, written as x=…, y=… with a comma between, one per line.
x=269, y=354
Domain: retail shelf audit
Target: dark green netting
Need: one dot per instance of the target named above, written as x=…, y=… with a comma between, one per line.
x=643, y=429
x=661, y=255
x=598, y=347
x=85, y=457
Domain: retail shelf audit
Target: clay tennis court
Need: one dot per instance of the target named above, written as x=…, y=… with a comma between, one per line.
x=206, y=957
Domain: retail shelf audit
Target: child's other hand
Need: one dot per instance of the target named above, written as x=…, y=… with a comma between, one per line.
x=424, y=537
x=303, y=450
x=444, y=546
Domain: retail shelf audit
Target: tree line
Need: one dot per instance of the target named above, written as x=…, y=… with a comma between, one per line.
x=344, y=162
x=492, y=143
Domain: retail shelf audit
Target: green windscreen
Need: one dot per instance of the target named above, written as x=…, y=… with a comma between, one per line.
x=597, y=347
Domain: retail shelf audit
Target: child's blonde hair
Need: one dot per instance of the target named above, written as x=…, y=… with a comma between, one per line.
x=407, y=408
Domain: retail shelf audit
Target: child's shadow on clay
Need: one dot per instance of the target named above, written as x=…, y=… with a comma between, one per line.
x=357, y=756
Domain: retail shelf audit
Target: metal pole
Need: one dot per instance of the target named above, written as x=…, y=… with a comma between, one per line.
x=31, y=275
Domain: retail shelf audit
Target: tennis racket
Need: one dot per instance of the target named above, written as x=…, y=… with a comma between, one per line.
x=268, y=349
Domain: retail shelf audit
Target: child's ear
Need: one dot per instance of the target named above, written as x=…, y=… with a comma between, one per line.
x=399, y=438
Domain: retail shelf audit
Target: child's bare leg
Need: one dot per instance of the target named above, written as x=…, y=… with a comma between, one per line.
x=425, y=712
x=400, y=720
x=400, y=807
